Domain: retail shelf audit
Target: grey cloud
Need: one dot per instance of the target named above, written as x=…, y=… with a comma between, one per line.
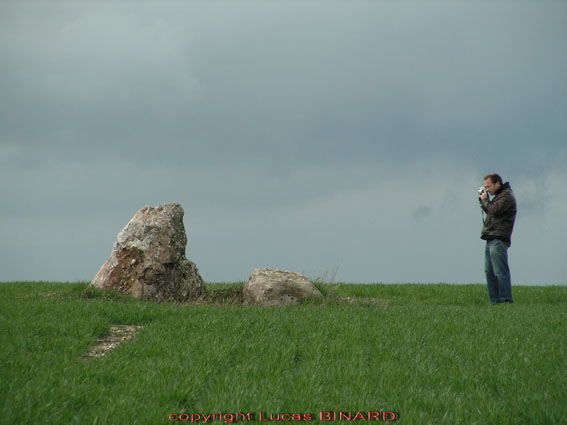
x=421, y=213
x=294, y=134
x=347, y=82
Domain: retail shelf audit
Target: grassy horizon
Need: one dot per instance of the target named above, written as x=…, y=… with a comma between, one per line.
x=433, y=353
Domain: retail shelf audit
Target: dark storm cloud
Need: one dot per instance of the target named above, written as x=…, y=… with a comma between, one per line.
x=303, y=82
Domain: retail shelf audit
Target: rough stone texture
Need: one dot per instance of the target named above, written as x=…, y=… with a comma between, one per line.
x=278, y=287
x=148, y=260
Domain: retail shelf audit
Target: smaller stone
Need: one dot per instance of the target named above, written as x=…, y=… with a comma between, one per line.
x=273, y=287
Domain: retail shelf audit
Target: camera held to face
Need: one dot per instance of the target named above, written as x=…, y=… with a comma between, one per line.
x=481, y=190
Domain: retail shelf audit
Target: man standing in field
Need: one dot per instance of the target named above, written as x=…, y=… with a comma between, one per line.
x=497, y=232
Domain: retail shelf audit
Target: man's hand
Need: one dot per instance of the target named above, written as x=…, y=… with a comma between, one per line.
x=483, y=195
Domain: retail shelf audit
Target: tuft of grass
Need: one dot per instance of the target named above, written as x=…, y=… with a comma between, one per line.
x=432, y=353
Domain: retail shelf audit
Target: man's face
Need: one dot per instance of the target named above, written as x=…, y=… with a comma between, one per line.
x=491, y=188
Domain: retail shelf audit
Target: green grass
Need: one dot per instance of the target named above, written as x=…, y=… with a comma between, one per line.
x=435, y=354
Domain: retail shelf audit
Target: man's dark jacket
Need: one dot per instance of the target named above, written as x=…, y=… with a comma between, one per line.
x=500, y=215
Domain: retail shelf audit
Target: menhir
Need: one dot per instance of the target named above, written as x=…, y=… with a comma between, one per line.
x=148, y=260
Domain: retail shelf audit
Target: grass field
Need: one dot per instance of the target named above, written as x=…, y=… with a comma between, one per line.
x=433, y=354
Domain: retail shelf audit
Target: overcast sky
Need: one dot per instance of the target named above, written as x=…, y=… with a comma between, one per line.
x=313, y=136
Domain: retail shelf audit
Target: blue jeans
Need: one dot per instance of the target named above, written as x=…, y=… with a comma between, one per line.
x=497, y=272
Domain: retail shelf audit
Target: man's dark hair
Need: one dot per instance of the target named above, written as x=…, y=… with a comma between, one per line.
x=494, y=178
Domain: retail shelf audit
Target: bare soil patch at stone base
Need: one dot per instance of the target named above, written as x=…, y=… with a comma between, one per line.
x=231, y=296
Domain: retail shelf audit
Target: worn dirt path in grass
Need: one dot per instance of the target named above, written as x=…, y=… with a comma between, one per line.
x=118, y=335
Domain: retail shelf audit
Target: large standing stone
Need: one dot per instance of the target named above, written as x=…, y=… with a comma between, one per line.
x=148, y=260
x=278, y=287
